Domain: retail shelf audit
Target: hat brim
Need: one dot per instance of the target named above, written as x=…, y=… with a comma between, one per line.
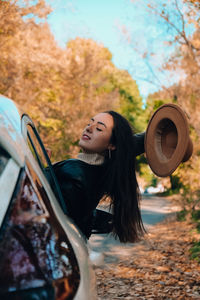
x=166, y=139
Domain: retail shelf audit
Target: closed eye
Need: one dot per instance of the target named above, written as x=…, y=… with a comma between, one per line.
x=98, y=129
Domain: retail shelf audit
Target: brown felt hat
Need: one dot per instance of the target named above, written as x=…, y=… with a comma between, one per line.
x=167, y=141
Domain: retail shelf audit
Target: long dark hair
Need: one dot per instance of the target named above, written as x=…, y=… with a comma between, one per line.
x=121, y=183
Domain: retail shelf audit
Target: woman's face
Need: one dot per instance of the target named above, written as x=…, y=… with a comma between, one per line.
x=96, y=135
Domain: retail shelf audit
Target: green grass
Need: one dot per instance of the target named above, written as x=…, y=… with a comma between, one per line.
x=195, y=251
x=181, y=215
x=196, y=215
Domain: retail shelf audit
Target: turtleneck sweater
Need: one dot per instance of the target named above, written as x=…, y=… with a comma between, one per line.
x=91, y=158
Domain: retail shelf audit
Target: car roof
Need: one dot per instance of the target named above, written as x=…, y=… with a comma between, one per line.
x=10, y=129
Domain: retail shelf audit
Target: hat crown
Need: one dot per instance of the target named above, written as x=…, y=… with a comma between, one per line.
x=168, y=137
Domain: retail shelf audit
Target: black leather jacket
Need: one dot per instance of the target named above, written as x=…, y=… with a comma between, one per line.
x=79, y=184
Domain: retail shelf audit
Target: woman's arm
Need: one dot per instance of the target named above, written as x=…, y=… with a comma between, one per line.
x=139, y=143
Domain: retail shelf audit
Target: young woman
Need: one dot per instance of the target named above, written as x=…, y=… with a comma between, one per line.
x=104, y=168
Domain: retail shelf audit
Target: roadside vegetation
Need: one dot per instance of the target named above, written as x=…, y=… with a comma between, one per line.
x=176, y=17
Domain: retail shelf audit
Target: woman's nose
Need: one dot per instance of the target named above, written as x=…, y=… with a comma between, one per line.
x=89, y=128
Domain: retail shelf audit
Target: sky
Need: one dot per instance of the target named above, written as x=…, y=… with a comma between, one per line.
x=123, y=26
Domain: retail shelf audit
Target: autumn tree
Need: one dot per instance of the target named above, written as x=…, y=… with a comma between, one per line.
x=60, y=88
x=185, y=93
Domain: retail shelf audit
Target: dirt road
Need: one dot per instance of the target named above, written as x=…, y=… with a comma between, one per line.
x=154, y=210
x=159, y=267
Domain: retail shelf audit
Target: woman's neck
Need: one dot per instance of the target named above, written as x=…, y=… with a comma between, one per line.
x=91, y=158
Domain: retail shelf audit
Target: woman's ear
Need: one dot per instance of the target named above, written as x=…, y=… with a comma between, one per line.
x=111, y=147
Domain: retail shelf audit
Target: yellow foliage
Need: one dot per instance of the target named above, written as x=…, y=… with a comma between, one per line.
x=60, y=88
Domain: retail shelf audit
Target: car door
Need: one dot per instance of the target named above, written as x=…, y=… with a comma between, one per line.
x=37, y=260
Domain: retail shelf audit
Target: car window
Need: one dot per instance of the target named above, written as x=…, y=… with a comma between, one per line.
x=37, y=148
x=34, y=142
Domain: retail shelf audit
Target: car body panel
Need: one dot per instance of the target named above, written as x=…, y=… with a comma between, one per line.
x=10, y=175
x=10, y=126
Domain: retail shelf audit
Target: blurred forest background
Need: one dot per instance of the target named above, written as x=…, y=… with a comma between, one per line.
x=62, y=88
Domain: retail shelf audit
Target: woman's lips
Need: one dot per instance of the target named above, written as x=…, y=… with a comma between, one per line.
x=86, y=137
